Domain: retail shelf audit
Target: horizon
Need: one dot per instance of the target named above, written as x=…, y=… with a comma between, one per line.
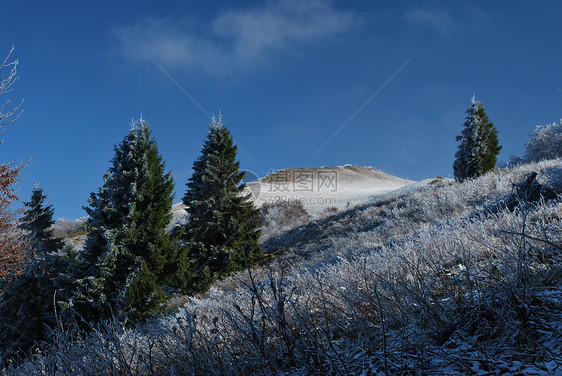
x=299, y=84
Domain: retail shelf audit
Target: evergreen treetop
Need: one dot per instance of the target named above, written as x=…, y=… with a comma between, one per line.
x=479, y=145
x=38, y=222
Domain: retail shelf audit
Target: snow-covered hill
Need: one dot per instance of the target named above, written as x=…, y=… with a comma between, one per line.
x=326, y=187
x=320, y=188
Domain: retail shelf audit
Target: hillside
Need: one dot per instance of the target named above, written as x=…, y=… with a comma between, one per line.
x=321, y=189
x=326, y=187
x=444, y=278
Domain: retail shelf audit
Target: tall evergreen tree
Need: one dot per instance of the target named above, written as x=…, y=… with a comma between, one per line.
x=26, y=306
x=38, y=221
x=222, y=229
x=128, y=255
x=479, y=145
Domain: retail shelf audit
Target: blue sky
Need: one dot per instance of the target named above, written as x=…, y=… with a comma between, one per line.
x=395, y=79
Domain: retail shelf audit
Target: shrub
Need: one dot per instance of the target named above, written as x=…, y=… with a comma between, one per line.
x=545, y=143
x=65, y=228
x=279, y=217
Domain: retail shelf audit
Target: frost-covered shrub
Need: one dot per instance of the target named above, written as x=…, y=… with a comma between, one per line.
x=279, y=217
x=327, y=212
x=545, y=143
x=65, y=228
x=553, y=179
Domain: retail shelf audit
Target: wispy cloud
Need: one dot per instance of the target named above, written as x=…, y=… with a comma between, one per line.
x=438, y=20
x=236, y=39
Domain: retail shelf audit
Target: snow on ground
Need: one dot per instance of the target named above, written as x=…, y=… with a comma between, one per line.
x=179, y=215
x=326, y=187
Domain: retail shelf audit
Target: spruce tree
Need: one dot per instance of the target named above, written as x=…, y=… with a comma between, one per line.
x=479, y=145
x=27, y=310
x=38, y=221
x=128, y=256
x=222, y=229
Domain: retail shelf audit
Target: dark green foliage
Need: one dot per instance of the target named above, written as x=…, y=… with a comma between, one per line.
x=27, y=305
x=27, y=309
x=491, y=147
x=221, y=231
x=128, y=256
x=479, y=146
x=38, y=221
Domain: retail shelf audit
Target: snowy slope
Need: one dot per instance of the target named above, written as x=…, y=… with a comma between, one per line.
x=325, y=187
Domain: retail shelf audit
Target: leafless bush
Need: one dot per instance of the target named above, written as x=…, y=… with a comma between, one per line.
x=279, y=217
x=329, y=211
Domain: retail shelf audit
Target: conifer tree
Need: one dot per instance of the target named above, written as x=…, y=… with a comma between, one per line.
x=38, y=222
x=128, y=255
x=26, y=306
x=222, y=229
x=479, y=146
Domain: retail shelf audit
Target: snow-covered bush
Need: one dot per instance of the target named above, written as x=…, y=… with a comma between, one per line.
x=545, y=143
x=65, y=228
x=277, y=218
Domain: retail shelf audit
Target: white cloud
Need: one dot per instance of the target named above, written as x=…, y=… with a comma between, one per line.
x=439, y=20
x=236, y=39
x=167, y=40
